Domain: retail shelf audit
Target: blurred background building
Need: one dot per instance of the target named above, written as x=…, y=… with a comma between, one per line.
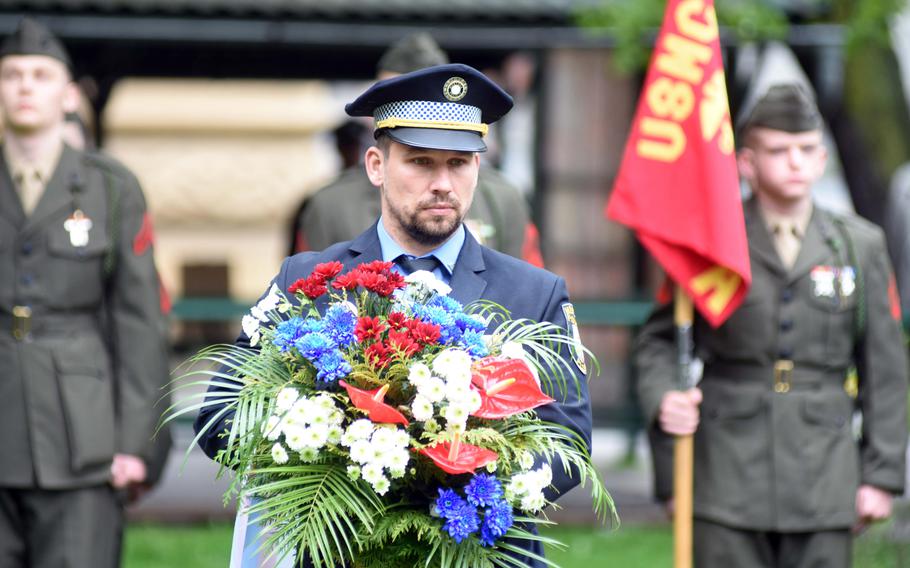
x=224, y=109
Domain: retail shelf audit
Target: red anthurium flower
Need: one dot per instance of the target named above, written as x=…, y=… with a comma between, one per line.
x=467, y=458
x=371, y=402
x=506, y=387
x=328, y=270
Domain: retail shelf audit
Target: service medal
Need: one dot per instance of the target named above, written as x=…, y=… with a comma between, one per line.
x=78, y=226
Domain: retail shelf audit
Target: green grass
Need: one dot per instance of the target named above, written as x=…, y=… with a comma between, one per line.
x=208, y=545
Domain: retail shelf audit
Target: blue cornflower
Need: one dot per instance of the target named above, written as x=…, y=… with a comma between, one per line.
x=462, y=522
x=313, y=345
x=496, y=521
x=339, y=323
x=448, y=304
x=474, y=344
x=447, y=502
x=332, y=366
x=288, y=332
x=483, y=489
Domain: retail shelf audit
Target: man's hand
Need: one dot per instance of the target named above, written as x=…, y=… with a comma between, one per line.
x=872, y=504
x=127, y=470
x=679, y=413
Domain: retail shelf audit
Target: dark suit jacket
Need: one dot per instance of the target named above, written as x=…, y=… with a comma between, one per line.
x=526, y=291
x=788, y=461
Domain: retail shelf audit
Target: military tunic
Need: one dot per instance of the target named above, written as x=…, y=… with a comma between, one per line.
x=498, y=216
x=775, y=449
x=82, y=337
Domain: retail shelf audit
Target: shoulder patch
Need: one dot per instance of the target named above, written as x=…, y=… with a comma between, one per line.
x=577, y=347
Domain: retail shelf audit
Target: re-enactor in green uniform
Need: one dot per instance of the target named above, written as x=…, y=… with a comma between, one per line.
x=782, y=473
x=82, y=344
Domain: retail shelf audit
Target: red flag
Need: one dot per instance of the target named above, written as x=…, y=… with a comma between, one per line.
x=677, y=187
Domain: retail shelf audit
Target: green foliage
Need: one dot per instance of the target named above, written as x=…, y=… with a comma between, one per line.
x=634, y=25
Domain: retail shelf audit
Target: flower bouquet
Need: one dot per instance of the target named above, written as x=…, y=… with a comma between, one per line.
x=379, y=423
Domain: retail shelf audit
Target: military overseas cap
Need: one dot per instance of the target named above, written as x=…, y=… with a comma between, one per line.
x=33, y=38
x=411, y=53
x=446, y=107
x=786, y=107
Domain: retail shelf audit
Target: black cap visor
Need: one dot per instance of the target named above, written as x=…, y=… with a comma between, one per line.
x=438, y=139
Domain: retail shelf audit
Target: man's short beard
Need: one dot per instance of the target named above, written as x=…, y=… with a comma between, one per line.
x=425, y=233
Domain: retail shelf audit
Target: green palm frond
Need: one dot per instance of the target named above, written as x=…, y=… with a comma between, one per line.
x=315, y=508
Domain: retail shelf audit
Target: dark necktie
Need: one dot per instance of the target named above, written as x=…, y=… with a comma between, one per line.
x=409, y=265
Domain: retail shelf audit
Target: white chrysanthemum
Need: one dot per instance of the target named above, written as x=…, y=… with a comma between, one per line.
x=456, y=427
x=371, y=472
x=316, y=435
x=473, y=401
x=361, y=452
x=533, y=502
x=381, y=485
x=397, y=473
x=308, y=454
x=543, y=475
x=353, y=472
x=491, y=467
x=526, y=460
x=401, y=439
x=422, y=408
x=361, y=429
x=431, y=426
x=279, y=454
x=286, y=398
x=421, y=280
x=336, y=417
x=302, y=410
x=324, y=402
x=457, y=393
x=419, y=373
x=377, y=453
x=455, y=414
x=250, y=327
x=272, y=428
x=294, y=436
x=453, y=364
x=396, y=459
x=512, y=350
x=383, y=439
x=433, y=389
x=519, y=485
x=335, y=433
x=347, y=439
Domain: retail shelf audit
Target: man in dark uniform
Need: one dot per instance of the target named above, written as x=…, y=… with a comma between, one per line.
x=498, y=218
x=82, y=343
x=426, y=177
x=780, y=477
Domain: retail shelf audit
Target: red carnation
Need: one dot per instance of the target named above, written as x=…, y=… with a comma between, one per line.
x=397, y=320
x=377, y=355
x=368, y=328
x=296, y=286
x=313, y=287
x=402, y=342
x=425, y=333
x=376, y=266
x=347, y=281
x=328, y=270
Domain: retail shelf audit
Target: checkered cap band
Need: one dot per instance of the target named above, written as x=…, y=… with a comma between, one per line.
x=428, y=111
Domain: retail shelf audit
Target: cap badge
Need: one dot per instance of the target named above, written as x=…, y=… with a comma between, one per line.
x=455, y=89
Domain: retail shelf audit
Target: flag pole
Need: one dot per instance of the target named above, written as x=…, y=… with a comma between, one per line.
x=683, y=447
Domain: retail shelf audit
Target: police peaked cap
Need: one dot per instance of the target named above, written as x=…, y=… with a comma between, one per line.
x=34, y=38
x=446, y=107
x=788, y=107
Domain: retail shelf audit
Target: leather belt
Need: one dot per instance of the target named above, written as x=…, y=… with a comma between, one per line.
x=782, y=376
x=24, y=324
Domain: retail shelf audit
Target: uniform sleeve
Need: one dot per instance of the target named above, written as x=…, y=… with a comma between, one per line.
x=655, y=355
x=572, y=408
x=882, y=365
x=138, y=325
x=213, y=421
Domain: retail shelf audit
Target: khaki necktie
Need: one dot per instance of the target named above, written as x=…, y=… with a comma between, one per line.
x=787, y=242
x=30, y=189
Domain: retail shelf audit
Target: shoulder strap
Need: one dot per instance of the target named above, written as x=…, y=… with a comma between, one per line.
x=860, y=321
x=113, y=214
